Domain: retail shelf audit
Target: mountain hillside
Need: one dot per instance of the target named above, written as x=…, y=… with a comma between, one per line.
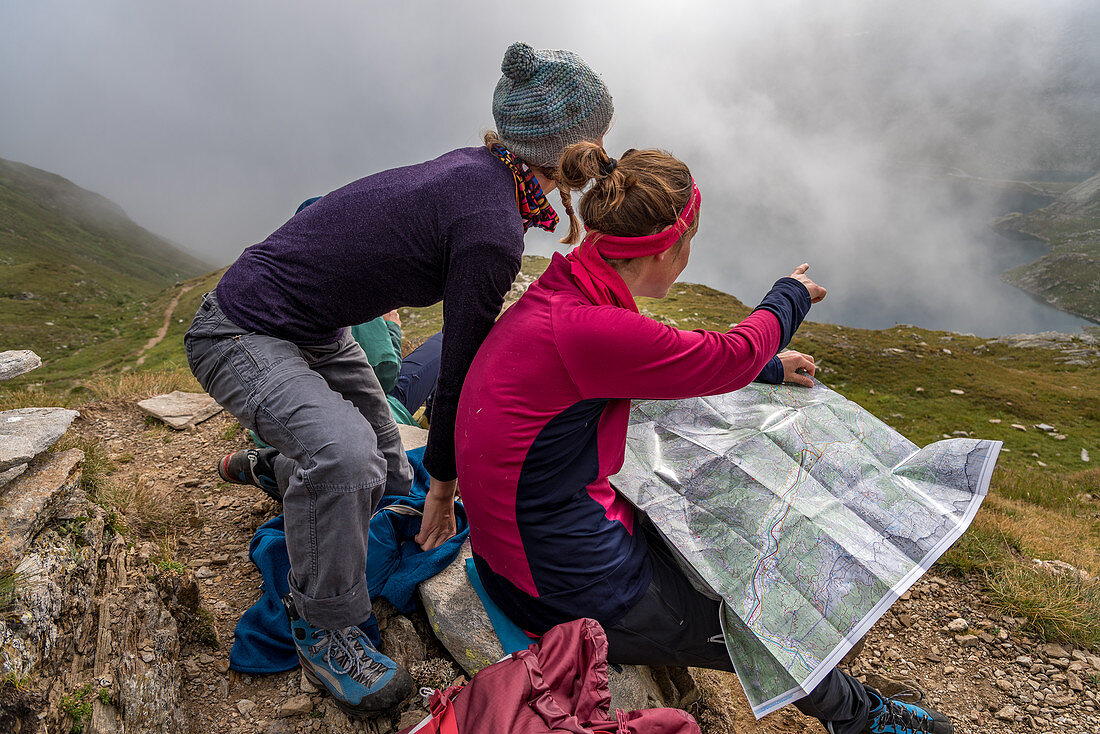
x=1069, y=277
x=76, y=272
x=135, y=586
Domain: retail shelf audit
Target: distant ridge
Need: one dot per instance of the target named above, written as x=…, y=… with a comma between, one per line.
x=1069, y=277
x=78, y=278
x=83, y=225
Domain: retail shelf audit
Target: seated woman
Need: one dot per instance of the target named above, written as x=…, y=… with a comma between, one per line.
x=542, y=424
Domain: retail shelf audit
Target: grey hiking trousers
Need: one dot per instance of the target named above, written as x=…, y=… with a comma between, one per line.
x=339, y=449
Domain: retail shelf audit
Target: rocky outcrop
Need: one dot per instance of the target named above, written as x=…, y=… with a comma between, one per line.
x=90, y=640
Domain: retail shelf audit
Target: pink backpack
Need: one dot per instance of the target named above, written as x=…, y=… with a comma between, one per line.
x=559, y=684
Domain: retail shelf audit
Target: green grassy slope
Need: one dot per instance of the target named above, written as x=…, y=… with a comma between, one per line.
x=80, y=283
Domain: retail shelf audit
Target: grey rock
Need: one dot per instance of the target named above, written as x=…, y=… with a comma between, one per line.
x=180, y=410
x=27, y=432
x=1053, y=650
x=18, y=362
x=411, y=718
x=1045, y=427
x=31, y=501
x=246, y=706
x=9, y=474
x=402, y=642
x=458, y=618
x=412, y=437
x=459, y=621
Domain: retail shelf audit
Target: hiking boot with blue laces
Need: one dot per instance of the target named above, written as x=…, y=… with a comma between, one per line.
x=363, y=681
x=891, y=716
x=252, y=466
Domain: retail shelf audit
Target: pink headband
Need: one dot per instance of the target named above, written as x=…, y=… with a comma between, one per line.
x=613, y=246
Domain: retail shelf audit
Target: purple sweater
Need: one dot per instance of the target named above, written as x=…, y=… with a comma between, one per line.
x=448, y=230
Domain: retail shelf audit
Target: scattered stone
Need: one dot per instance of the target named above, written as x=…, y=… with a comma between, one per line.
x=221, y=560
x=960, y=433
x=246, y=706
x=180, y=410
x=27, y=432
x=18, y=362
x=957, y=391
x=1084, y=454
x=305, y=685
x=994, y=420
x=958, y=625
x=1018, y=427
x=1008, y=713
x=1053, y=650
x=222, y=666
x=967, y=640
x=919, y=389
x=300, y=704
x=1045, y=427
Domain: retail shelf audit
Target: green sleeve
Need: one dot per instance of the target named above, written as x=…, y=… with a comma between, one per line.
x=395, y=337
x=375, y=339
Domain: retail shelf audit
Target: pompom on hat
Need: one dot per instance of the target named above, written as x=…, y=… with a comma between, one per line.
x=546, y=101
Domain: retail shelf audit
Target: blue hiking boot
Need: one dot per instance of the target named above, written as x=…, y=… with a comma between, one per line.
x=252, y=466
x=363, y=681
x=891, y=716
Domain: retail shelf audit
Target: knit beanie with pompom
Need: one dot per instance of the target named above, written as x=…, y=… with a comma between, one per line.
x=546, y=101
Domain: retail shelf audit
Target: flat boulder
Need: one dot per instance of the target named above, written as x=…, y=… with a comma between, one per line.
x=25, y=433
x=459, y=621
x=412, y=437
x=18, y=362
x=180, y=410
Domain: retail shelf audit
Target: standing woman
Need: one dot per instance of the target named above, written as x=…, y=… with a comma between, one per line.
x=542, y=426
x=271, y=345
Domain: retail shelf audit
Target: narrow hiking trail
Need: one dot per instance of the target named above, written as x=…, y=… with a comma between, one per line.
x=974, y=663
x=169, y=310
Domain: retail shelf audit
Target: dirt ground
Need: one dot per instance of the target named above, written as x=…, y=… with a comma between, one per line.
x=982, y=671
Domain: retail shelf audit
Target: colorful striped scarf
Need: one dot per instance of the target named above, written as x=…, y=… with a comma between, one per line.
x=533, y=206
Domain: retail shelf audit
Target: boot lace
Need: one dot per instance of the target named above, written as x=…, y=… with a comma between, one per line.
x=346, y=654
x=899, y=717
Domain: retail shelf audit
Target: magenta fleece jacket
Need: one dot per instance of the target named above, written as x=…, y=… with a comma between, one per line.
x=542, y=423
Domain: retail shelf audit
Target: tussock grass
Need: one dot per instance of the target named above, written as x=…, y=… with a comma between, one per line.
x=8, y=584
x=143, y=507
x=1053, y=490
x=980, y=549
x=137, y=385
x=30, y=397
x=146, y=508
x=1058, y=606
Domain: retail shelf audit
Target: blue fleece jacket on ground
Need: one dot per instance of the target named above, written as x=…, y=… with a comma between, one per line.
x=395, y=566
